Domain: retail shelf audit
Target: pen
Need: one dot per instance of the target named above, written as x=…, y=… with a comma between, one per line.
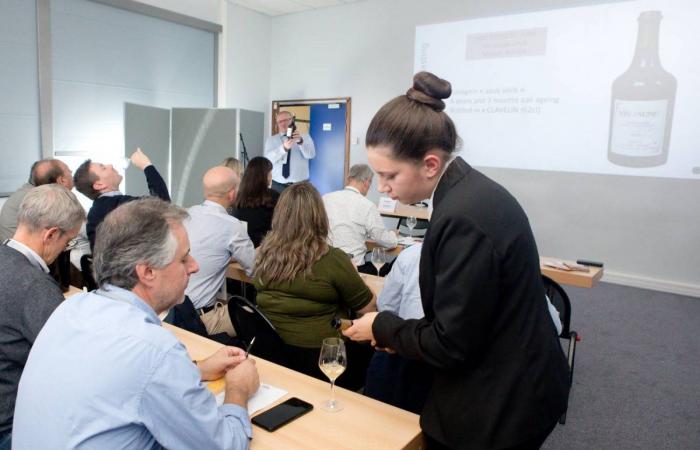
x=247, y=350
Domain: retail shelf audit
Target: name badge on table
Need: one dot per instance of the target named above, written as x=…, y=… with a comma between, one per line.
x=387, y=204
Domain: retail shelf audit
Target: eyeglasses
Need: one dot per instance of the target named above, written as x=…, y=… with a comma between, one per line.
x=71, y=244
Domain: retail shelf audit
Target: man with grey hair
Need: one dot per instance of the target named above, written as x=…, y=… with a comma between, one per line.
x=49, y=217
x=289, y=151
x=354, y=219
x=44, y=171
x=104, y=373
x=216, y=238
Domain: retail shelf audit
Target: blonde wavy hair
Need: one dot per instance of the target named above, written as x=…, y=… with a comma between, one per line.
x=298, y=237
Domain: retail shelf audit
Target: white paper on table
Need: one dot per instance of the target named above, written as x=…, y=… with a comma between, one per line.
x=387, y=204
x=407, y=241
x=264, y=397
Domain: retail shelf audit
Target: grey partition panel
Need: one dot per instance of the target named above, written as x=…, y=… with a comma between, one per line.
x=148, y=128
x=201, y=139
x=252, y=128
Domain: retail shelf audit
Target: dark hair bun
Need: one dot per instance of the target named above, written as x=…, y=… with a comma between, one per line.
x=429, y=90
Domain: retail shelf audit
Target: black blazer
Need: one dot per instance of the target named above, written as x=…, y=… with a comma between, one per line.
x=105, y=205
x=500, y=374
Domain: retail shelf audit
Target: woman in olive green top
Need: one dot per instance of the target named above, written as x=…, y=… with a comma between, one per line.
x=303, y=283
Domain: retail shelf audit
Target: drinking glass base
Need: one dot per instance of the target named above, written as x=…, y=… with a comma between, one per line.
x=332, y=406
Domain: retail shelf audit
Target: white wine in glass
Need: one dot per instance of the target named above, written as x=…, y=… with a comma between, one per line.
x=411, y=223
x=378, y=258
x=332, y=361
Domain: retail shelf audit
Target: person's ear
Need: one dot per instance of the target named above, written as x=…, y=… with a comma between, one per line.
x=432, y=164
x=145, y=273
x=51, y=234
x=98, y=185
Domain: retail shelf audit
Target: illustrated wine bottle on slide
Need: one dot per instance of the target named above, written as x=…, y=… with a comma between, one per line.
x=642, y=104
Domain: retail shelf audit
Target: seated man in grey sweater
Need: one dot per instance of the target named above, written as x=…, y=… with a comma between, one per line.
x=44, y=171
x=49, y=217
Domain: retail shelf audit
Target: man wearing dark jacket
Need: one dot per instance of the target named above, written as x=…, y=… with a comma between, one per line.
x=48, y=218
x=100, y=182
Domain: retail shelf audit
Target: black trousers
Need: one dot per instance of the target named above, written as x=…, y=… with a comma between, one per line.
x=305, y=360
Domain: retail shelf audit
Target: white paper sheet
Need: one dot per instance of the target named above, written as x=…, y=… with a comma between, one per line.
x=265, y=396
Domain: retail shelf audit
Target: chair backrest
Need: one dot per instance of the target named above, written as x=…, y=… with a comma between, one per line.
x=561, y=302
x=249, y=322
x=418, y=231
x=86, y=272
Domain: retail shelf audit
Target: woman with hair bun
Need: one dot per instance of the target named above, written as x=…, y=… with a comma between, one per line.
x=500, y=378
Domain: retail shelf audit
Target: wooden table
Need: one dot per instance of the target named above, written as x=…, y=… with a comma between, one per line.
x=375, y=283
x=402, y=210
x=389, y=251
x=72, y=290
x=363, y=424
x=572, y=278
x=236, y=272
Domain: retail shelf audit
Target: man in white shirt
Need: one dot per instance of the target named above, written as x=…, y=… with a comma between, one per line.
x=289, y=155
x=215, y=239
x=354, y=219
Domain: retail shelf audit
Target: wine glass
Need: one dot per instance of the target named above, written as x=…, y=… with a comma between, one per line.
x=332, y=362
x=411, y=224
x=378, y=258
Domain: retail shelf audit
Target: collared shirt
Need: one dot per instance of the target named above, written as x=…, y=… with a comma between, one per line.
x=111, y=194
x=33, y=257
x=353, y=220
x=401, y=292
x=215, y=239
x=430, y=202
x=300, y=154
x=103, y=373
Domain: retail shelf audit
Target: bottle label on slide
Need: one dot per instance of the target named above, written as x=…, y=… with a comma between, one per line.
x=638, y=127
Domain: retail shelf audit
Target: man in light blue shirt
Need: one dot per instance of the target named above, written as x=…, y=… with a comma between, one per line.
x=216, y=238
x=104, y=374
x=401, y=293
x=289, y=155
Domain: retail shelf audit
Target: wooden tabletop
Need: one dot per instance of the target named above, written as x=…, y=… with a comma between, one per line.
x=401, y=210
x=572, y=278
x=236, y=272
x=72, y=290
x=375, y=283
x=363, y=424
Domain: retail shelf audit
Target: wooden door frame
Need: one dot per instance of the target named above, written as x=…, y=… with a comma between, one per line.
x=280, y=104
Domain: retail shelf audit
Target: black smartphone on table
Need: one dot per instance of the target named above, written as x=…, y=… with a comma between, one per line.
x=282, y=414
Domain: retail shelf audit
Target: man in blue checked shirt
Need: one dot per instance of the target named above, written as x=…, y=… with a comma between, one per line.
x=103, y=373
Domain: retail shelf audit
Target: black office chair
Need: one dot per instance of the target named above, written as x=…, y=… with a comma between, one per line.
x=249, y=322
x=418, y=231
x=86, y=272
x=561, y=302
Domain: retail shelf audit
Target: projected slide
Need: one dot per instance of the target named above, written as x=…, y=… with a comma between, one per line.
x=608, y=89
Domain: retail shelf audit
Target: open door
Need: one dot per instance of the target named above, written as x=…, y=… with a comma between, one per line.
x=327, y=121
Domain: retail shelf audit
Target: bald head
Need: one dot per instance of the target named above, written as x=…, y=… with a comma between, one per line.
x=220, y=185
x=48, y=171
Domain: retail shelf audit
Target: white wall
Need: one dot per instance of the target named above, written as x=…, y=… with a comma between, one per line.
x=248, y=46
x=644, y=229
